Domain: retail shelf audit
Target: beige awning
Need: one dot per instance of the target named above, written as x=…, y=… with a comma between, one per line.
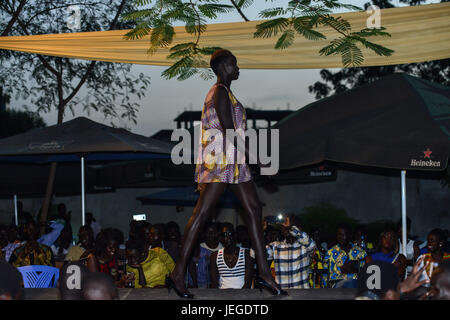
x=419, y=34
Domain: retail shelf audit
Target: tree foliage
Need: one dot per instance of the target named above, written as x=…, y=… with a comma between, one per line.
x=345, y=79
x=13, y=122
x=54, y=83
x=297, y=17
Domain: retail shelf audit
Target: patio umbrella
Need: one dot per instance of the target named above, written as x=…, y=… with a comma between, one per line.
x=78, y=140
x=29, y=180
x=400, y=122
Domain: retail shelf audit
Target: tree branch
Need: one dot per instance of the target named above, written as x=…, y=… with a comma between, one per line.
x=92, y=64
x=14, y=18
x=239, y=10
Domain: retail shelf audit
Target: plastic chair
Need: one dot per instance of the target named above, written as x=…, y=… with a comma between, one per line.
x=37, y=276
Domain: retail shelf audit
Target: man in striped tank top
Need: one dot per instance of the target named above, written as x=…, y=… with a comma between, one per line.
x=232, y=266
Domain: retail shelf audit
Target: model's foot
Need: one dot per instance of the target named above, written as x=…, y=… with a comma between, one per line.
x=178, y=286
x=269, y=283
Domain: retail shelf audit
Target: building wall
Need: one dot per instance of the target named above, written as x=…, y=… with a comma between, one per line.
x=366, y=197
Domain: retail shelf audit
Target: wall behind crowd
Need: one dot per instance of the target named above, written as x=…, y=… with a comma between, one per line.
x=366, y=197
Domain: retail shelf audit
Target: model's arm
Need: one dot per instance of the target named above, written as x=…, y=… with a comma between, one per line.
x=222, y=105
x=214, y=272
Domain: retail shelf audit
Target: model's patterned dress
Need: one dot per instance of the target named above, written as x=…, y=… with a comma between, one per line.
x=213, y=163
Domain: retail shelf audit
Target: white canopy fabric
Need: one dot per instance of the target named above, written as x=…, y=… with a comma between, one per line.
x=419, y=34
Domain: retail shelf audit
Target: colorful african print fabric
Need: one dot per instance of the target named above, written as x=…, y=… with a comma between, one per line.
x=432, y=265
x=317, y=266
x=335, y=259
x=292, y=261
x=216, y=163
x=26, y=255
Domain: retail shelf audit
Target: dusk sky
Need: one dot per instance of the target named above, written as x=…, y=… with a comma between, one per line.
x=265, y=89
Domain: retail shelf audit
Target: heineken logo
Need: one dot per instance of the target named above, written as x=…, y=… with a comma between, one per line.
x=426, y=162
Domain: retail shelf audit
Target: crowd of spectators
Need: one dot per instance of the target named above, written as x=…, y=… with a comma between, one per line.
x=223, y=258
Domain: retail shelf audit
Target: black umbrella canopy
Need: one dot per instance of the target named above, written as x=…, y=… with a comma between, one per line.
x=80, y=136
x=30, y=180
x=399, y=122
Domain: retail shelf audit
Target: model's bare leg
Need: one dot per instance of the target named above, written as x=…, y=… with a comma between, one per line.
x=247, y=195
x=202, y=212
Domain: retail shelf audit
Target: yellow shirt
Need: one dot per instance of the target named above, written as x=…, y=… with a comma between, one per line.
x=156, y=266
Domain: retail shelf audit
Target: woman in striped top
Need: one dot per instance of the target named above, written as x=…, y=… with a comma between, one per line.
x=231, y=267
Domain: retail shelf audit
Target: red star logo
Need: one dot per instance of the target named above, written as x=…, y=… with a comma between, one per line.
x=427, y=153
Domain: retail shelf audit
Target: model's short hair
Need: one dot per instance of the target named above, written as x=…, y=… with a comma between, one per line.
x=219, y=57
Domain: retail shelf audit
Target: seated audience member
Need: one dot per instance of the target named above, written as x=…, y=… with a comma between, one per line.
x=172, y=241
x=435, y=255
x=343, y=260
x=90, y=221
x=70, y=280
x=84, y=247
x=99, y=286
x=386, y=252
x=13, y=242
x=32, y=252
x=157, y=236
x=104, y=256
x=232, y=266
x=291, y=255
x=199, y=266
x=149, y=267
x=11, y=282
x=62, y=245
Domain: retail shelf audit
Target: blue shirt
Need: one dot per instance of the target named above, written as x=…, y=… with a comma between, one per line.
x=386, y=257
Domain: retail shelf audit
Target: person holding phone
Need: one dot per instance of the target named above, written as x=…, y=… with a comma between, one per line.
x=291, y=255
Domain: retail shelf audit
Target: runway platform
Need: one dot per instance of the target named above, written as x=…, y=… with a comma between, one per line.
x=209, y=294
